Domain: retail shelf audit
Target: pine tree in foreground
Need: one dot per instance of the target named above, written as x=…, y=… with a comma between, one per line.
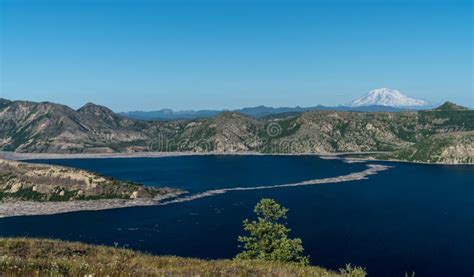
x=268, y=236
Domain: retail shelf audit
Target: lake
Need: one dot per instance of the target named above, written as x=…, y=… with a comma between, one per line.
x=409, y=218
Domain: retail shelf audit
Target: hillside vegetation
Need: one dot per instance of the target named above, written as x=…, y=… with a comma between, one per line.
x=455, y=148
x=52, y=128
x=33, y=257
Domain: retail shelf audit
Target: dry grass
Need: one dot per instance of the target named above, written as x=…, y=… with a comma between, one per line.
x=35, y=257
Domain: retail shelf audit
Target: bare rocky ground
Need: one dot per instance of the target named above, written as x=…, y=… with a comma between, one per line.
x=52, y=156
x=21, y=208
x=35, y=189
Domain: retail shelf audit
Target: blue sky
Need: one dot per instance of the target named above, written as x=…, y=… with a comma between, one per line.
x=146, y=55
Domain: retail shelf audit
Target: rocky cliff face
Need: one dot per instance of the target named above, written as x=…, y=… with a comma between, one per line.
x=53, y=128
x=23, y=181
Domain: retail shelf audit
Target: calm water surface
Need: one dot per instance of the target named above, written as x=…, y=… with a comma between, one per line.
x=412, y=217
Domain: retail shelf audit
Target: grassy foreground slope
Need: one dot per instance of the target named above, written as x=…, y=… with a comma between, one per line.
x=34, y=257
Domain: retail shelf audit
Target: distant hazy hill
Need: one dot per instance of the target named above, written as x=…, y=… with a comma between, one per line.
x=449, y=106
x=48, y=127
x=256, y=112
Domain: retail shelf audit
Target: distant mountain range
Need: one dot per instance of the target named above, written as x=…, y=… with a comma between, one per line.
x=256, y=112
x=379, y=100
x=444, y=134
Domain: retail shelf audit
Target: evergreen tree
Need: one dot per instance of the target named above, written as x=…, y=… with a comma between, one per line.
x=268, y=236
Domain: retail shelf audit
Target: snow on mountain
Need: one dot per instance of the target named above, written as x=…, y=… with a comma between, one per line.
x=388, y=97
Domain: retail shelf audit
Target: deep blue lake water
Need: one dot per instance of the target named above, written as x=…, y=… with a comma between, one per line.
x=410, y=218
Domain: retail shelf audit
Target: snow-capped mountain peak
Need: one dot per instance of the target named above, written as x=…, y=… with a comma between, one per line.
x=388, y=97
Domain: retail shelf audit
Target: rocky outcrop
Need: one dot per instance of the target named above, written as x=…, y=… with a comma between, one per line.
x=37, y=182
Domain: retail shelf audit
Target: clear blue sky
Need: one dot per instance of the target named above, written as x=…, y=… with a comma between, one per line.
x=146, y=55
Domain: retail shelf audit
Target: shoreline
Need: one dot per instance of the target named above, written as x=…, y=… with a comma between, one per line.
x=334, y=155
x=55, y=156
x=32, y=208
